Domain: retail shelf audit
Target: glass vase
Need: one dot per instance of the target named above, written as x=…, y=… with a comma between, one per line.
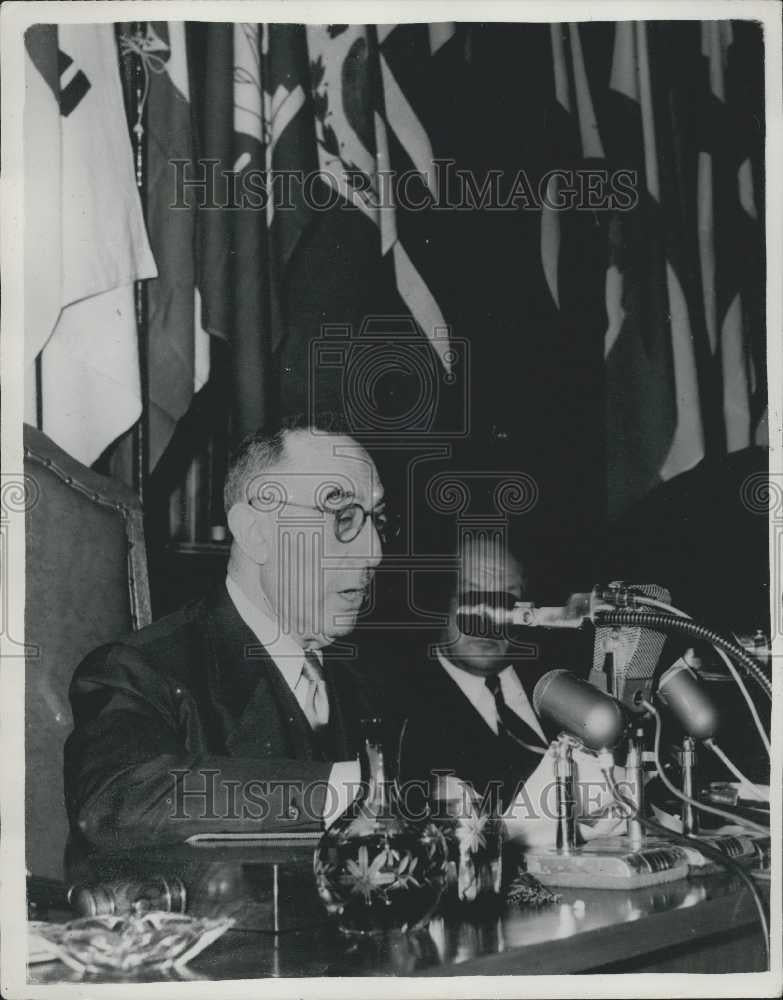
x=375, y=869
x=474, y=841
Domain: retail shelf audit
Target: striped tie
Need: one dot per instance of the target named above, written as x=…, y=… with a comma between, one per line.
x=316, y=700
x=515, y=731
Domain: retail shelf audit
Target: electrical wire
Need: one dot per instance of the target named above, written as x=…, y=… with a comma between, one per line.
x=662, y=606
x=746, y=695
x=680, y=795
x=744, y=782
x=707, y=849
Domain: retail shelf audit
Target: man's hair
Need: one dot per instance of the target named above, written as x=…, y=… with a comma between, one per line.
x=263, y=449
x=442, y=585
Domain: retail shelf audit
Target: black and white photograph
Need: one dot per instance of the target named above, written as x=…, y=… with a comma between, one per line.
x=391, y=535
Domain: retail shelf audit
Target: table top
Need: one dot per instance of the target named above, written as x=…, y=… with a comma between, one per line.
x=585, y=930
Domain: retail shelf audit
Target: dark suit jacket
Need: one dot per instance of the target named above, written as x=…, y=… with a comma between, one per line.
x=187, y=726
x=444, y=732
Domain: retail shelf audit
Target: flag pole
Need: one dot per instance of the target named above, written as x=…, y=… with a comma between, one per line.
x=134, y=85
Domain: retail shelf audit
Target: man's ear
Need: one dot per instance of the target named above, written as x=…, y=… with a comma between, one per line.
x=248, y=529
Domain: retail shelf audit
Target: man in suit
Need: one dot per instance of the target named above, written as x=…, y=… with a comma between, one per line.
x=469, y=711
x=233, y=714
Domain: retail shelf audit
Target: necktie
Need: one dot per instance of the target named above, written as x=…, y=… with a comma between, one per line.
x=510, y=727
x=316, y=700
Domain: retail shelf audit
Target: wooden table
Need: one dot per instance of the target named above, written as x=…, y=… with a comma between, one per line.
x=703, y=924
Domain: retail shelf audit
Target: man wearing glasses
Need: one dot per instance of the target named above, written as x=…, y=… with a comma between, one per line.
x=233, y=715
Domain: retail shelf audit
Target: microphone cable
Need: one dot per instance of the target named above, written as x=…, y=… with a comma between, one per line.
x=660, y=605
x=673, y=623
x=706, y=848
x=764, y=831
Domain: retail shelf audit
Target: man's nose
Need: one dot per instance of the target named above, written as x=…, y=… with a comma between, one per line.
x=370, y=542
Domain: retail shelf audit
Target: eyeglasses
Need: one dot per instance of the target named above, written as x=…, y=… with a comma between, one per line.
x=350, y=519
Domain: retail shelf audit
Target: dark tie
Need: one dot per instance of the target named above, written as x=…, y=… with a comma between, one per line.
x=513, y=730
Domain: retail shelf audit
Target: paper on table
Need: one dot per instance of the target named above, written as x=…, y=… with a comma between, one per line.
x=530, y=819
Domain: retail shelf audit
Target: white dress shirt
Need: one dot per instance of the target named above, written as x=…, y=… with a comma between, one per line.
x=286, y=652
x=478, y=694
x=288, y=657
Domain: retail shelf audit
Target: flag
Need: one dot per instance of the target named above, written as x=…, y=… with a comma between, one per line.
x=654, y=418
x=579, y=139
x=85, y=242
x=683, y=343
x=178, y=348
x=360, y=109
x=232, y=242
x=728, y=237
x=289, y=138
x=280, y=101
x=565, y=336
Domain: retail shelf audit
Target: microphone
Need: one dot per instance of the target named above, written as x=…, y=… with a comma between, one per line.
x=624, y=657
x=686, y=698
x=485, y=614
x=581, y=709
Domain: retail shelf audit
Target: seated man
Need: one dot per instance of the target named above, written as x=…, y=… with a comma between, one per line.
x=232, y=714
x=469, y=712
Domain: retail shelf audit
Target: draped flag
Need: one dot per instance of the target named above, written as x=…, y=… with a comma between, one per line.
x=289, y=137
x=654, y=420
x=653, y=403
x=233, y=255
x=728, y=236
x=178, y=348
x=684, y=364
x=85, y=242
x=302, y=123
x=580, y=131
x=359, y=106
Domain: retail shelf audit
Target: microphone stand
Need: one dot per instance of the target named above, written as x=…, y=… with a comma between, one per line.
x=635, y=771
x=617, y=862
x=688, y=783
x=566, y=836
x=740, y=846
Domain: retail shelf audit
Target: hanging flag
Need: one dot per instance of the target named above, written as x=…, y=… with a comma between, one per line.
x=233, y=253
x=577, y=139
x=728, y=230
x=289, y=138
x=85, y=242
x=654, y=421
x=359, y=109
x=178, y=349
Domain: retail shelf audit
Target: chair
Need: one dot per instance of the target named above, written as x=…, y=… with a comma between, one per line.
x=86, y=583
